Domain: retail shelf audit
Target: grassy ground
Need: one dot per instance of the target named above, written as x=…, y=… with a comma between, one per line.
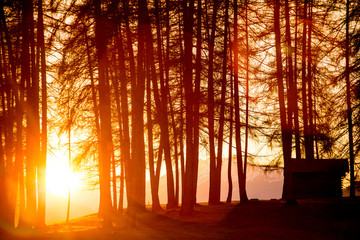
x=320, y=219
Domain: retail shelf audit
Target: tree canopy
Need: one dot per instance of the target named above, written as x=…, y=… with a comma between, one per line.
x=154, y=85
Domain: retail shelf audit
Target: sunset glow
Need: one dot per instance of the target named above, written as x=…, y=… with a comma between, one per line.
x=159, y=119
x=60, y=177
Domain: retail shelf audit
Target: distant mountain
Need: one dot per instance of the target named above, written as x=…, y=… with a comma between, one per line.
x=260, y=184
x=82, y=203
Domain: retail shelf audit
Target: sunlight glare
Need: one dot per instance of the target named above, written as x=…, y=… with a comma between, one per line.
x=59, y=177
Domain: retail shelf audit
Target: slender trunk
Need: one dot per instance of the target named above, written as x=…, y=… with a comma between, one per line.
x=3, y=187
x=136, y=202
x=222, y=105
x=161, y=102
x=348, y=101
x=309, y=84
x=158, y=166
x=247, y=92
x=196, y=107
x=292, y=99
x=231, y=118
x=190, y=179
x=125, y=144
x=229, y=196
x=240, y=168
x=69, y=149
x=105, y=116
x=316, y=142
x=154, y=186
x=181, y=140
x=214, y=194
x=175, y=149
x=93, y=95
x=114, y=178
x=19, y=155
x=115, y=82
x=42, y=162
x=181, y=113
x=296, y=112
x=8, y=93
x=312, y=131
x=304, y=86
x=32, y=135
x=6, y=213
x=122, y=185
x=167, y=80
x=285, y=132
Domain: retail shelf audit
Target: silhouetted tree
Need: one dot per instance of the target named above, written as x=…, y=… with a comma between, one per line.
x=31, y=78
x=189, y=175
x=240, y=166
x=214, y=189
x=42, y=160
x=105, y=114
x=348, y=102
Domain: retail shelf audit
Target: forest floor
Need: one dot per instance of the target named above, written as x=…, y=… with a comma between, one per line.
x=310, y=219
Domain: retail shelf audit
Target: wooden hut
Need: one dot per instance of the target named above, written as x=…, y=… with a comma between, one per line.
x=317, y=178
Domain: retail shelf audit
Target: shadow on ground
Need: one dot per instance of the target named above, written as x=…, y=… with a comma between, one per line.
x=311, y=219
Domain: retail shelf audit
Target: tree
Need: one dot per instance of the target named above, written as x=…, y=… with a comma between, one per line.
x=222, y=111
x=136, y=190
x=214, y=190
x=160, y=101
x=10, y=115
x=348, y=101
x=240, y=167
x=285, y=133
x=42, y=161
x=292, y=98
x=105, y=115
x=190, y=179
x=30, y=77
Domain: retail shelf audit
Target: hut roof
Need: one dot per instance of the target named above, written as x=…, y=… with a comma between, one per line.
x=339, y=166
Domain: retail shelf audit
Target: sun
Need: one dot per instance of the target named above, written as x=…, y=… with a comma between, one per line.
x=60, y=177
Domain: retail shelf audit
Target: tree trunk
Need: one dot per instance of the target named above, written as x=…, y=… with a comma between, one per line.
x=136, y=202
x=181, y=68
x=348, y=102
x=32, y=113
x=172, y=114
x=105, y=116
x=296, y=112
x=222, y=105
x=3, y=188
x=240, y=168
x=189, y=181
x=125, y=145
x=128, y=157
x=160, y=102
x=116, y=81
x=285, y=132
x=9, y=93
x=309, y=84
x=231, y=118
x=229, y=196
x=196, y=101
x=247, y=91
x=214, y=193
x=154, y=186
x=42, y=161
x=305, y=106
